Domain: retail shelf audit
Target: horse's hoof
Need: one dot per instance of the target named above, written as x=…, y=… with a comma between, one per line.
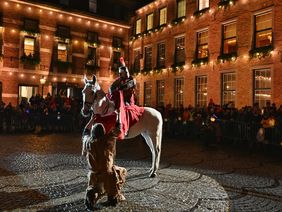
x=153, y=175
x=91, y=199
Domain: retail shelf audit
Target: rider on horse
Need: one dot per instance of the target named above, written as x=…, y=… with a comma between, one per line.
x=122, y=93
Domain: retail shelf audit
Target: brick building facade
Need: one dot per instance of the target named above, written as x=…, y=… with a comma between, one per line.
x=190, y=51
x=47, y=49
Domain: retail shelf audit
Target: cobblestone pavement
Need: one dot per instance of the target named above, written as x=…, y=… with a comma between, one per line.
x=47, y=173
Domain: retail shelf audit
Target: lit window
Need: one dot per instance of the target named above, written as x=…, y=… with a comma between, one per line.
x=160, y=92
x=147, y=93
x=161, y=55
x=62, y=52
x=201, y=91
x=148, y=58
x=263, y=30
x=181, y=8
x=91, y=57
x=179, y=92
x=203, y=4
x=180, y=50
x=93, y=6
x=202, y=45
x=150, y=20
x=229, y=38
x=228, y=88
x=262, y=86
x=138, y=27
x=163, y=16
x=29, y=43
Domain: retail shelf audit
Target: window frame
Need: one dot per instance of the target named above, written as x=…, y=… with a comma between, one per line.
x=266, y=29
x=162, y=23
x=201, y=102
x=148, y=61
x=179, y=92
x=148, y=93
x=203, y=4
x=181, y=12
x=138, y=26
x=178, y=52
x=233, y=80
x=160, y=92
x=223, y=52
x=149, y=19
x=269, y=89
x=161, y=48
x=203, y=44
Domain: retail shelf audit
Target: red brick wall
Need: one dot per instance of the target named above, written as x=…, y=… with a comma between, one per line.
x=243, y=12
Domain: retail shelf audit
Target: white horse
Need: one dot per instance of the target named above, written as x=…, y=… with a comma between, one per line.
x=149, y=126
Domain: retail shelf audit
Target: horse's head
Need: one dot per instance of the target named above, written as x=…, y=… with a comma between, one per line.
x=89, y=94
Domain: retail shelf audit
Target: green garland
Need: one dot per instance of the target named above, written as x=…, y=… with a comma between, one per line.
x=226, y=3
x=160, y=27
x=200, y=61
x=199, y=13
x=63, y=64
x=227, y=57
x=30, y=32
x=159, y=70
x=30, y=59
x=178, y=67
x=97, y=43
x=260, y=52
x=178, y=20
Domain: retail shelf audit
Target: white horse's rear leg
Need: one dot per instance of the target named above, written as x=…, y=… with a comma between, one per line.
x=153, y=143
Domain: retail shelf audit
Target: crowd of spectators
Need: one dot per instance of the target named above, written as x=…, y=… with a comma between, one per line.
x=52, y=113
x=217, y=123
x=212, y=123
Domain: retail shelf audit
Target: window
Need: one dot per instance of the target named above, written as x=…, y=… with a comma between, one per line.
x=138, y=27
x=64, y=2
x=93, y=6
x=63, y=32
x=202, y=44
x=27, y=92
x=229, y=38
x=92, y=37
x=91, y=57
x=180, y=50
x=263, y=30
x=161, y=55
x=117, y=42
x=62, y=52
x=29, y=46
x=262, y=86
x=160, y=92
x=147, y=93
x=178, y=89
x=31, y=25
x=202, y=4
x=181, y=8
x=150, y=22
x=148, y=58
x=201, y=91
x=137, y=57
x=163, y=16
x=116, y=62
x=228, y=88
x=137, y=93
